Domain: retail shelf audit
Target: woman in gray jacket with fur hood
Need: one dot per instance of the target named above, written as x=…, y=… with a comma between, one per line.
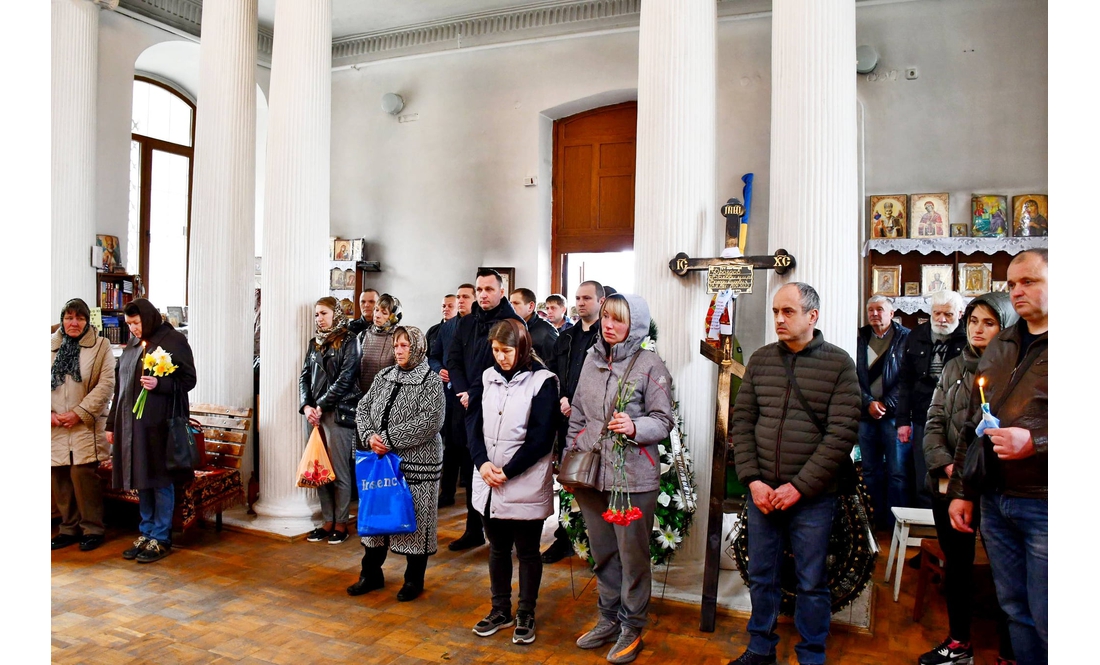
x=644, y=418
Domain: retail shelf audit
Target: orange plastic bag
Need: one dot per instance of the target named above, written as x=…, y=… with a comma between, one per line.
x=315, y=469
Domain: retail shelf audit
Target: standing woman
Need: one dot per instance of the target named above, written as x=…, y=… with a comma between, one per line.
x=403, y=412
x=984, y=318
x=329, y=393
x=514, y=489
x=82, y=379
x=621, y=552
x=376, y=342
x=141, y=444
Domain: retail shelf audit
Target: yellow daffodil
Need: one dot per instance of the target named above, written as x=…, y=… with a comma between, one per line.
x=149, y=362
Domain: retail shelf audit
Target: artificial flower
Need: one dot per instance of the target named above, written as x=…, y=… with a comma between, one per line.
x=669, y=538
x=664, y=499
x=581, y=548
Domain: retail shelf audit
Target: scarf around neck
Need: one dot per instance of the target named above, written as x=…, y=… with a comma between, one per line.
x=323, y=336
x=418, y=348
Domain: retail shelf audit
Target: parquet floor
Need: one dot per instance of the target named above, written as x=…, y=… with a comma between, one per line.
x=238, y=598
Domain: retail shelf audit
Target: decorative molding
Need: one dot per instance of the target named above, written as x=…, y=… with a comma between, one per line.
x=950, y=245
x=106, y=4
x=185, y=15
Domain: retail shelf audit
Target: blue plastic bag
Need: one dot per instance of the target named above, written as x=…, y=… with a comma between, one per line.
x=385, y=501
x=988, y=420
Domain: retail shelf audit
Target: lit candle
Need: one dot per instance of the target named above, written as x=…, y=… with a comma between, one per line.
x=981, y=388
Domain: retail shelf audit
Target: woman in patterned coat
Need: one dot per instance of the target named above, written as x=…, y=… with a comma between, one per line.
x=403, y=412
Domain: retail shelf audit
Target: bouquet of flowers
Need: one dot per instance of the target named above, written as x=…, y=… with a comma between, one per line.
x=158, y=363
x=620, y=511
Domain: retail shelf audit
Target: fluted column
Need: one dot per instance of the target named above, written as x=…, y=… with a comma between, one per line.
x=74, y=37
x=675, y=208
x=814, y=198
x=220, y=278
x=296, y=231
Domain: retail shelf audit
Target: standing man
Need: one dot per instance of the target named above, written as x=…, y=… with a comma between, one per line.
x=367, y=300
x=555, y=313
x=451, y=461
x=879, y=350
x=794, y=424
x=468, y=357
x=543, y=335
x=569, y=352
x=927, y=350
x=1014, y=490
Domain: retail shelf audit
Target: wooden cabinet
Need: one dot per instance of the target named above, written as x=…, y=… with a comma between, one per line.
x=113, y=292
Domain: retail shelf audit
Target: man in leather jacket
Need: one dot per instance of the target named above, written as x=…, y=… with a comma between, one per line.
x=1013, y=491
x=887, y=471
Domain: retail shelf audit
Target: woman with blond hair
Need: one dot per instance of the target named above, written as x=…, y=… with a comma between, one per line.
x=376, y=342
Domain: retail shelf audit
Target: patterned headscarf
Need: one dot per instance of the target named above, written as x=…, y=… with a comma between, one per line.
x=386, y=301
x=67, y=360
x=323, y=336
x=418, y=346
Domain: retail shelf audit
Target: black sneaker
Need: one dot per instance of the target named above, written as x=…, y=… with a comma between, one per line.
x=154, y=551
x=496, y=620
x=525, y=628
x=63, y=540
x=627, y=647
x=466, y=541
x=139, y=545
x=557, y=551
x=317, y=535
x=750, y=658
x=337, y=537
x=949, y=652
x=89, y=543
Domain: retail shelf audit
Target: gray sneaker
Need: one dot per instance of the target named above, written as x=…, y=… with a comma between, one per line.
x=628, y=646
x=605, y=632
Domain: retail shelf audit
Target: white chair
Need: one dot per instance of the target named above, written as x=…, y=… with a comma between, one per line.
x=904, y=518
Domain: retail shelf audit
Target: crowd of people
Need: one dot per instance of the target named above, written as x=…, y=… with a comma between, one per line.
x=492, y=395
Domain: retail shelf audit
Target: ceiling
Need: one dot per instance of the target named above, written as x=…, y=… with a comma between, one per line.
x=357, y=17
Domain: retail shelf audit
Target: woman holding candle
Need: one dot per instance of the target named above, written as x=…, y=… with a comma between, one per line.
x=984, y=317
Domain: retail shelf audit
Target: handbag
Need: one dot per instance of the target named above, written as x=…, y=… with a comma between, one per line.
x=315, y=469
x=183, y=451
x=385, y=500
x=581, y=468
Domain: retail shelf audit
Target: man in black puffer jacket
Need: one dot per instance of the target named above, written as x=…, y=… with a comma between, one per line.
x=469, y=356
x=789, y=458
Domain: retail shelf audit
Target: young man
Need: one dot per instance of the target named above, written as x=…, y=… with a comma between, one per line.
x=790, y=438
x=367, y=300
x=555, y=313
x=543, y=335
x=452, y=462
x=454, y=423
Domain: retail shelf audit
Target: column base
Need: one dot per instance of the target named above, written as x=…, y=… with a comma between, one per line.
x=280, y=528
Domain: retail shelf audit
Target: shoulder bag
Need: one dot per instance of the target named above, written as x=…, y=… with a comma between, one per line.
x=183, y=451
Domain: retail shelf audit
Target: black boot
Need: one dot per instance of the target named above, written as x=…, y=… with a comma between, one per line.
x=415, y=566
x=370, y=576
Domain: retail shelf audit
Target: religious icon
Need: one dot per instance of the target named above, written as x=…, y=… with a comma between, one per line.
x=912, y=288
x=989, y=218
x=1000, y=287
x=959, y=231
x=886, y=281
x=888, y=216
x=930, y=216
x=1029, y=215
x=349, y=279
x=975, y=278
x=348, y=306
x=336, y=279
x=936, y=277
x=112, y=253
x=342, y=250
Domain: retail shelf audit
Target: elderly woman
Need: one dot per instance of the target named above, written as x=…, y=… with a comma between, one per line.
x=403, y=412
x=82, y=379
x=376, y=342
x=644, y=418
x=329, y=393
x=984, y=318
x=141, y=444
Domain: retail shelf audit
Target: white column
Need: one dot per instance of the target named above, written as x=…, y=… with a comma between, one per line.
x=296, y=231
x=74, y=37
x=675, y=209
x=220, y=275
x=814, y=198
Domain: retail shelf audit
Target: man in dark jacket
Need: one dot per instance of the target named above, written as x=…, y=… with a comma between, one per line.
x=452, y=461
x=556, y=313
x=1014, y=490
x=886, y=471
x=543, y=334
x=927, y=350
x=367, y=300
x=454, y=422
x=569, y=352
x=789, y=454
x=469, y=356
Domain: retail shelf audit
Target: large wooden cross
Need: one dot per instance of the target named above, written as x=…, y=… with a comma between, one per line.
x=736, y=273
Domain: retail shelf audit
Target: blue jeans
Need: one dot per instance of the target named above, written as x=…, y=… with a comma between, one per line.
x=1015, y=533
x=156, y=506
x=878, y=443
x=806, y=526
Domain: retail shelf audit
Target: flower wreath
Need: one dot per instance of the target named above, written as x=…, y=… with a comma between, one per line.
x=674, y=512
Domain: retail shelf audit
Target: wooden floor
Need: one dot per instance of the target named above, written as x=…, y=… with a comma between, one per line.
x=236, y=598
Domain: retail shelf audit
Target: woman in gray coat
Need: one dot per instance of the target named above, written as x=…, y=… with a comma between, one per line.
x=644, y=419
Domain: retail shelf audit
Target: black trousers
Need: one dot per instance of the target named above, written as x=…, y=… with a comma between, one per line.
x=374, y=557
x=474, y=523
x=454, y=451
x=524, y=535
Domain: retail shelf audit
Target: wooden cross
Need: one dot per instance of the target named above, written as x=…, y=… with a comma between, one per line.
x=722, y=356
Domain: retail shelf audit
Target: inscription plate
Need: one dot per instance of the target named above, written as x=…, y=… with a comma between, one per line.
x=730, y=276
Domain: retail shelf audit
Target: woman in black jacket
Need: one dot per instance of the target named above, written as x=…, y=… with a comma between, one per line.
x=329, y=394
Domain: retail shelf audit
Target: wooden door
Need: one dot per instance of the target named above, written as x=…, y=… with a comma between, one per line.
x=593, y=188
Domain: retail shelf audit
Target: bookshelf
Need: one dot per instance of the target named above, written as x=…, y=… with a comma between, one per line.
x=113, y=292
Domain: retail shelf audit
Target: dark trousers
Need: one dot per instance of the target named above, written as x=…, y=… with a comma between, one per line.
x=524, y=535
x=806, y=526
x=374, y=557
x=473, y=518
x=454, y=451
x=922, y=496
x=78, y=493
x=958, y=551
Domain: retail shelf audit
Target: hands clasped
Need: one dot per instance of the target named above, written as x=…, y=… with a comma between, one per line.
x=768, y=499
x=492, y=475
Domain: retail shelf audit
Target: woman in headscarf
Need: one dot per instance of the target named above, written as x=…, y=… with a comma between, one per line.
x=82, y=379
x=403, y=412
x=141, y=444
x=376, y=342
x=329, y=392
